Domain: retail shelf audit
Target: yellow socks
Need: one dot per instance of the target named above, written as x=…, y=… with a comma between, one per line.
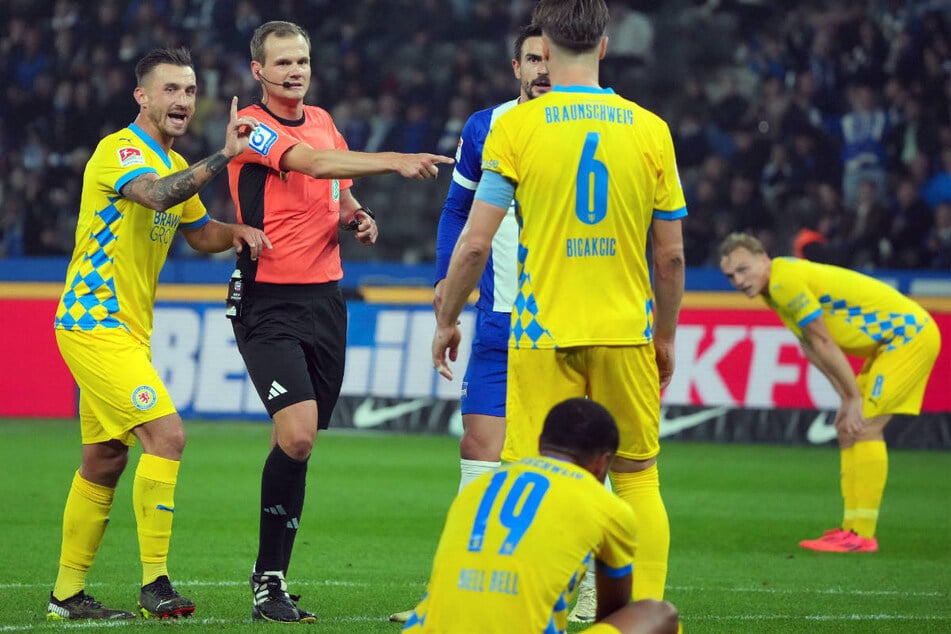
x=641, y=490
x=847, y=457
x=153, y=497
x=84, y=523
x=871, y=472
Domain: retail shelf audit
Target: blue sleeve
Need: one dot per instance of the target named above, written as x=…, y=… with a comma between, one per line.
x=465, y=179
x=496, y=190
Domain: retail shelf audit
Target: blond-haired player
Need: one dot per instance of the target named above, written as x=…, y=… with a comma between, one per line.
x=835, y=311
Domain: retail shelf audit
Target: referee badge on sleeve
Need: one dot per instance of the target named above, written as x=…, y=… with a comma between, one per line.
x=262, y=139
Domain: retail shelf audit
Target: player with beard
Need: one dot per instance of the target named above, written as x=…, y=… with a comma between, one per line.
x=483, y=387
x=595, y=177
x=137, y=193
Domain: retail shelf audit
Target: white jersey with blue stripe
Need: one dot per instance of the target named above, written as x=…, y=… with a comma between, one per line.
x=497, y=287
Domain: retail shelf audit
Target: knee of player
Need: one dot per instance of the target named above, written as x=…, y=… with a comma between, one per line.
x=104, y=469
x=298, y=446
x=472, y=447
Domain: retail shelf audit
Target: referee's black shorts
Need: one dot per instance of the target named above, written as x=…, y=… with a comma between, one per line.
x=293, y=338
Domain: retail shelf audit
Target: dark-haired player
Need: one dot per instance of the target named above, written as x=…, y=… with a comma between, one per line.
x=137, y=192
x=483, y=386
x=294, y=181
x=517, y=541
x=595, y=178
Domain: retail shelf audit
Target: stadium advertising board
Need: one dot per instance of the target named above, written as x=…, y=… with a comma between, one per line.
x=735, y=369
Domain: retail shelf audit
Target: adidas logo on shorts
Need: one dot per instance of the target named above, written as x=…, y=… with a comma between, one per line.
x=276, y=390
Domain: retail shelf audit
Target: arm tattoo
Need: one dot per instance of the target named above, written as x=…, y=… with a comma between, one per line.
x=180, y=186
x=215, y=163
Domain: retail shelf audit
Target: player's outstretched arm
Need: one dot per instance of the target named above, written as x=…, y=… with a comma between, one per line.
x=348, y=164
x=161, y=193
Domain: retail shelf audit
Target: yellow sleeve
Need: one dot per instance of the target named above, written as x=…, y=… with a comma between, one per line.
x=669, y=195
x=497, y=154
x=617, y=547
x=791, y=296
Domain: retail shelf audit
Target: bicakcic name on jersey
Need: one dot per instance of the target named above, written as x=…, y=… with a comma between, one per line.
x=593, y=111
x=591, y=247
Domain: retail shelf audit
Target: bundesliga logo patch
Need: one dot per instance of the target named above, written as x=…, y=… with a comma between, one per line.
x=143, y=397
x=130, y=156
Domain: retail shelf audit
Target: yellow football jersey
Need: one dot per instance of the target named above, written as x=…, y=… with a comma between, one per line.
x=592, y=171
x=121, y=245
x=515, y=545
x=861, y=313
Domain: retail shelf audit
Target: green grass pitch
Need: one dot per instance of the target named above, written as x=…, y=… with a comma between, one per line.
x=375, y=505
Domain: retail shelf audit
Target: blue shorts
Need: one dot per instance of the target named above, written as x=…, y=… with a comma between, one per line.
x=483, y=386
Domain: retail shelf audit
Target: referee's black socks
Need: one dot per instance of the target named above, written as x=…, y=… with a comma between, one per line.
x=283, y=481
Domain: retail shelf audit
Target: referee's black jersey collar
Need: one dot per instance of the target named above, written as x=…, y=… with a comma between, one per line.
x=286, y=122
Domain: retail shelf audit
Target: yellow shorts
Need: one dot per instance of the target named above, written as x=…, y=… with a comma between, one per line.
x=118, y=387
x=893, y=380
x=622, y=378
x=602, y=628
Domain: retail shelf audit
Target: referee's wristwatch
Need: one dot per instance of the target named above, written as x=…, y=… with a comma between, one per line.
x=354, y=223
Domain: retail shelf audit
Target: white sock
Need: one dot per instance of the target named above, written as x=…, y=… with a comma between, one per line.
x=588, y=579
x=472, y=469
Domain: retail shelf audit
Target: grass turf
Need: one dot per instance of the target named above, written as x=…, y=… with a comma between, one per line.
x=375, y=505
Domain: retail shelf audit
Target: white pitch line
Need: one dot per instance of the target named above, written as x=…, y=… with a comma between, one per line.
x=836, y=591
x=814, y=617
x=61, y=625
x=200, y=583
x=360, y=584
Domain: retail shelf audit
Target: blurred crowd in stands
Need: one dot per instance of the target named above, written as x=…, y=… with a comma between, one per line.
x=824, y=128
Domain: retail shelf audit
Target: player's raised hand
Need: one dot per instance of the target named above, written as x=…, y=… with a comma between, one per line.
x=239, y=131
x=421, y=166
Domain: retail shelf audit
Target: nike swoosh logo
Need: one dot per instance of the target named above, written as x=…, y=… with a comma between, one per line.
x=821, y=430
x=672, y=426
x=365, y=415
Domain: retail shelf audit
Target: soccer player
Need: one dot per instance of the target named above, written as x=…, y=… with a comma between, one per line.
x=137, y=192
x=593, y=175
x=291, y=324
x=483, y=387
x=516, y=541
x=834, y=312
